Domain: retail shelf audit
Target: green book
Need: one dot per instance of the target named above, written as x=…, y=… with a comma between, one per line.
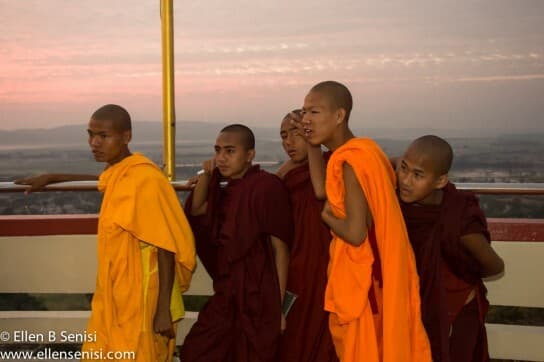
x=288, y=301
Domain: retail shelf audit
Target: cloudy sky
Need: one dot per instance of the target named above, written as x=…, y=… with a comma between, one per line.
x=440, y=64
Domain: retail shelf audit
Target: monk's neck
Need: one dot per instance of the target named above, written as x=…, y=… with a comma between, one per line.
x=241, y=174
x=124, y=154
x=341, y=136
x=433, y=199
x=300, y=163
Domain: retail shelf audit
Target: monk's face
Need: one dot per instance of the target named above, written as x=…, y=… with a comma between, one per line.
x=293, y=143
x=232, y=158
x=320, y=118
x=108, y=144
x=417, y=180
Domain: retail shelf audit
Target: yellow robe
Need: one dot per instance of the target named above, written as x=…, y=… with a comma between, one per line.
x=140, y=212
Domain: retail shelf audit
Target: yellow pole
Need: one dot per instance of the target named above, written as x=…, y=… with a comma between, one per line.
x=168, y=104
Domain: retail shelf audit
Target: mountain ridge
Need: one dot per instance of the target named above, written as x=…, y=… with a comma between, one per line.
x=192, y=131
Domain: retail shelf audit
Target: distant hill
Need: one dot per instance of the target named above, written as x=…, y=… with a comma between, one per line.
x=189, y=131
x=144, y=132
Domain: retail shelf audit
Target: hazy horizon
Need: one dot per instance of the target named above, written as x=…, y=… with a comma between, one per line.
x=423, y=64
x=180, y=122
x=188, y=132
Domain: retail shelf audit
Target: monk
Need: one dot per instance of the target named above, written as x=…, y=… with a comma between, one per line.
x=372, y=292
x=145, y=248
x=243, y=225
x=307, y=336
x=449, y=235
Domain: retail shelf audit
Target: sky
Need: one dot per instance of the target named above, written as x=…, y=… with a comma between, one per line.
x=466, y=65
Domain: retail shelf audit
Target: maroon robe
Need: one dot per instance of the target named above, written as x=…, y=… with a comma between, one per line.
x=241, y=321
x=448, y=274
x=307, y=337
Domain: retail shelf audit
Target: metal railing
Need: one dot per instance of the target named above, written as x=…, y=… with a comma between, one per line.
x=181, y=185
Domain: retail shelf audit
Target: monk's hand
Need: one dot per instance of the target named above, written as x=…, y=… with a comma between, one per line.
x=326, y=213
x=285, y=168
x=36, y=183
x=296, y=121
x=162, y=323
x=208, y=166
x=283, y=325
x=191, y=182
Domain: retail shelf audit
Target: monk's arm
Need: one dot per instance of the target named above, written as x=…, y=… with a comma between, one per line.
x=478, y=246
x=285, y=168
x=315, y=159
x=354, y=227
x=37, y=183
x=200, y=195
x=162, y=321
x=316, y=163
x=281, y=256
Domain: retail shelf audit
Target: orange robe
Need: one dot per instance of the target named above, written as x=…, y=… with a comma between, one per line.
x=140, y=212
x=396, y=333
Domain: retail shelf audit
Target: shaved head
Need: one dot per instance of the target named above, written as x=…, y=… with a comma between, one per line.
x=288, y=116
x=246, y=135
x=116, y=114
x=436, y=150
x=337, y=93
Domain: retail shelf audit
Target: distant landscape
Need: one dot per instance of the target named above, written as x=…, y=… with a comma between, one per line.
x=491, y=158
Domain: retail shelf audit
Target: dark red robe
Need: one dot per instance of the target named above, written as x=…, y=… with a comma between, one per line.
x=448, y=274
x=241, y=321
x=307, y=337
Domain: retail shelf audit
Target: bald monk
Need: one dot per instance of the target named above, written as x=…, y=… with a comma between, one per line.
x=307, y=337
x=145, y=248
x=243, y=225
x=372, y=292
x=449, y=235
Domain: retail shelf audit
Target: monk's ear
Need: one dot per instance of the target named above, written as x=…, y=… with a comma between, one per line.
x=127, y=137
x=441, y=181
x=340, y=115
x=250, y=155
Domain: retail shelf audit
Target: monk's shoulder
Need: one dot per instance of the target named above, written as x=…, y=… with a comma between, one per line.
x=145, y=173
x=461, y=197
x=359, y=150
x=465, y=207
x=265, y=188
x=269, y=200
x=266, y=181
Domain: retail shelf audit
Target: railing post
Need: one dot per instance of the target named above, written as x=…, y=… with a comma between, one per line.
x=168, y=96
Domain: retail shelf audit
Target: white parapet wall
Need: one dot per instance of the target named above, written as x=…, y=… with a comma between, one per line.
x=67, y=264
x=521, y=285
x=62, y=264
